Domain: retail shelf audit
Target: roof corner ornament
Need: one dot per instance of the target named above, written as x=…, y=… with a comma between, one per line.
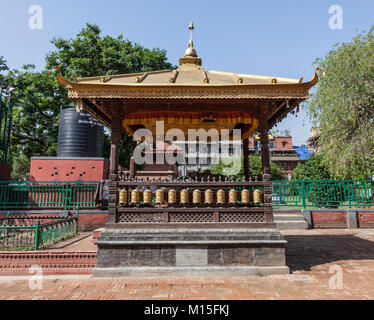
x=60, y=78
x=57, y=67
x=174, y=76
x=317, y=68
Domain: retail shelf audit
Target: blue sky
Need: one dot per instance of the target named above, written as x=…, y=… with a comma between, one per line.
x=278, y=38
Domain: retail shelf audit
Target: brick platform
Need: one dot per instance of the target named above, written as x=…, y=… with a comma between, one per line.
x=73, y=256
x=310, y=254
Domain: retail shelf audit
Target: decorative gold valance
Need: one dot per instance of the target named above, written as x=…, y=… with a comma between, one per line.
x=191, y=120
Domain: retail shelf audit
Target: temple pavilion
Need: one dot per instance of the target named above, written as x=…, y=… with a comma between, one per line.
x=199, y=226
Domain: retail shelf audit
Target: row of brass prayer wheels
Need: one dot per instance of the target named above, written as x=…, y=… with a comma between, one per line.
x=246, y=196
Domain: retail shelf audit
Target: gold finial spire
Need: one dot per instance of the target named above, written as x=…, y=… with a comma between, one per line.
x=190, y=55
x=191, y=27
x=190, y=52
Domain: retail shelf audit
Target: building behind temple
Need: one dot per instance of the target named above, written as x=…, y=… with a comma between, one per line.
x=282, y=152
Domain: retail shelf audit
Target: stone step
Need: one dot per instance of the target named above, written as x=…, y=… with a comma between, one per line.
x=292, y=225
x=290, y=222
x=288, y=217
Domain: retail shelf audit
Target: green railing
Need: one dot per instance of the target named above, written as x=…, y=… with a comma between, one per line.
x=323, y=193
x=47, y=195
x=67, y=195
x=33, y=233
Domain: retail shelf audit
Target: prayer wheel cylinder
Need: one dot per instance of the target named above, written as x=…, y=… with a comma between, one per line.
x=196, y=197
x=172, y=196
x=233, y=196
x=245, y=195
x=147, y=196
x=220, y=196
x=135, y=196
x=159, y=196
x=257, y=196
x=208, y=196
x=185, y=196
x=123, y=196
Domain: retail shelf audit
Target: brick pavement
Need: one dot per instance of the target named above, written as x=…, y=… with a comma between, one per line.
x=82, y=242
x=311, y=254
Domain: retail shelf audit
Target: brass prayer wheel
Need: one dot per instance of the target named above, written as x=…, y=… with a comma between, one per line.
x=233, y=196
x=220, y=196
x=123, y=196
x=196, y=196
x=172, y=196
x=135, y=196
x=147, y=196
x=208, y=196
x=159, y=196
x=245, y=196
x=257, y=196
x=185, y=196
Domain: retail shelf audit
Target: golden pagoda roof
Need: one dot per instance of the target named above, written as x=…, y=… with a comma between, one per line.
x=186, y=76
x=189, y=88
x=189, y=80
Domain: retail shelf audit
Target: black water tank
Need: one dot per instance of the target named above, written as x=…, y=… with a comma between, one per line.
x=77, y=136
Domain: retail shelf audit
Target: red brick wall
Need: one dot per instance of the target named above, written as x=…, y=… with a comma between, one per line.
x=279, y=143
x=91, y=221
x=55, y=169
x=365, y=219
x=329, y=219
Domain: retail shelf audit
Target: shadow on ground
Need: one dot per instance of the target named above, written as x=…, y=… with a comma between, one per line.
x=305, y=251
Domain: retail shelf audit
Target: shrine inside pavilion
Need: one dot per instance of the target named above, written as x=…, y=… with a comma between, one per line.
x=203, y=226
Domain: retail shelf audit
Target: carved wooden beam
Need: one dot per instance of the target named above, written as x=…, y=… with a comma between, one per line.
x=95, y=112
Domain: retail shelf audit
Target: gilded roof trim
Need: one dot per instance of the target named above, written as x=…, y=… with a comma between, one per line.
x=240, y=91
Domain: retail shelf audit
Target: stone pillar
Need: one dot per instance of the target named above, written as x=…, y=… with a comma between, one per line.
x=114, y=161
x=352, y=219
x=246, y=159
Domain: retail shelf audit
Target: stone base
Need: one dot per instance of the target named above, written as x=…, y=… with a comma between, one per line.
x=145, y=252
x=188, y=271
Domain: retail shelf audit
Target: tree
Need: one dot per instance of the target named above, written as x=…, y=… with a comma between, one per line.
x=313, y=169
x=343, y=108
x=90, y=54
x=39, y=96
x=3, y=67
x=234, y=169
x=322, y=194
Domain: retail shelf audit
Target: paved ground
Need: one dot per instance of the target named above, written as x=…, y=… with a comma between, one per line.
x=311, y=255
x=80, y=243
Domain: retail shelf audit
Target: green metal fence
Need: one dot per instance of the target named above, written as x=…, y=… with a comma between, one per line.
x=323, y=193
x=47, y=195
x=33, y=233
x=68, y=195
